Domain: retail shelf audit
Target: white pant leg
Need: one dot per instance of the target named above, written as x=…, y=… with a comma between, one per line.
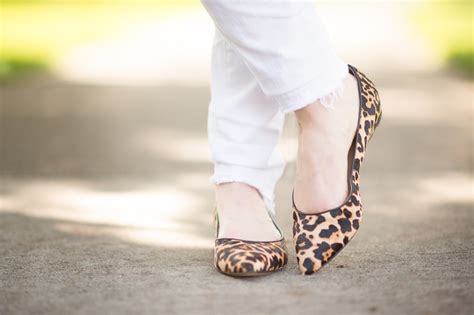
x=269, y=58
x=284, y=45
x=244, y=125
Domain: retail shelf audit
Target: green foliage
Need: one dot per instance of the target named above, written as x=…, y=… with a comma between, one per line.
x=463, y=61
x=11, y=68
x=35, y=33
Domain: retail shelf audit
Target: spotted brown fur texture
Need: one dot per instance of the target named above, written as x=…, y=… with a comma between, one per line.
x=244, y=258
x=319, y=237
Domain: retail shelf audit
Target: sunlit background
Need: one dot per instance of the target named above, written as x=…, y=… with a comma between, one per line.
x=103, y=124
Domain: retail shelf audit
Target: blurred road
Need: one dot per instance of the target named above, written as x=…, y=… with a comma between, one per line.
x=105, y=206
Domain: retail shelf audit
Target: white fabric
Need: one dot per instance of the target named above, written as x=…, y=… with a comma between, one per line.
x=269, y=58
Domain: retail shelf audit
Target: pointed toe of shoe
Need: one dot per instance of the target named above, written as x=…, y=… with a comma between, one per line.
x=249, y=258
x=318, y=238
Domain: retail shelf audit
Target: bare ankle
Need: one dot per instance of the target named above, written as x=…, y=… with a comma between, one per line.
x=243, y=214
x=236, y=188
x=237, y=194
x=307, y=116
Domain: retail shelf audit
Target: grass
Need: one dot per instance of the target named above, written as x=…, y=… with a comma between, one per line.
x=35, y=33
x=12, y=68
x=449, y=27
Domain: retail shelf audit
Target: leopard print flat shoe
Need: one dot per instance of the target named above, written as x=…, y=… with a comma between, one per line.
x=320, y=237
x=242, y=258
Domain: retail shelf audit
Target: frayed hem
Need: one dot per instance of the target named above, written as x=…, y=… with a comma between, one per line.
x=328, y=101
x=312, y=92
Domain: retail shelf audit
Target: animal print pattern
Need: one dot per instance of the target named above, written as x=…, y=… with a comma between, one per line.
x=249, y=258
x=319, y=237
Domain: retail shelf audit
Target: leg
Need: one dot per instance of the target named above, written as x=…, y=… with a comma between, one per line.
x=285, y=48
x=244, y=129
x=325, y=137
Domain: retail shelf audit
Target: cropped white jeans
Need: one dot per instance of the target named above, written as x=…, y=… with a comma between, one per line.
x=269, y=58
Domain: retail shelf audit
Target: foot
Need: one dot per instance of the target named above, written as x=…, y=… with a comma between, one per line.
x=243, y=214
x=325, y=137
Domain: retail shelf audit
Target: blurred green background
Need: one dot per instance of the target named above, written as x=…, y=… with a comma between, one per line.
x=34, y=33
x=448, y=26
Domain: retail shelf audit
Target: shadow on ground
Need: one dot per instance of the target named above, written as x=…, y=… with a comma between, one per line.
x=53, y=266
